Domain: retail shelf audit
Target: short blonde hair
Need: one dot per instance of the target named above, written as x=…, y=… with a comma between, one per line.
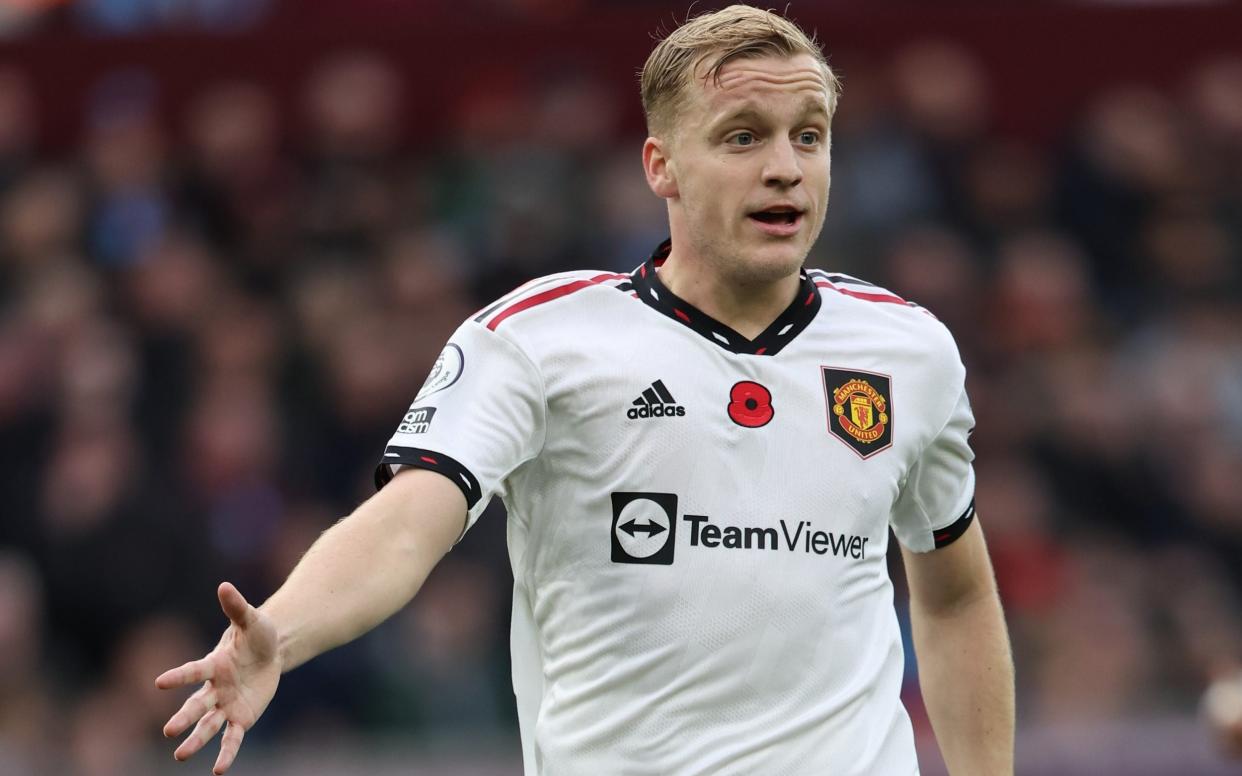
x=731, y=33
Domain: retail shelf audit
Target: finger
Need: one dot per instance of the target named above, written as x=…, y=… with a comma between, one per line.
x=206, y=728
x=234, y=605
x=193, y=672
x=194, y=707
x=229, y=744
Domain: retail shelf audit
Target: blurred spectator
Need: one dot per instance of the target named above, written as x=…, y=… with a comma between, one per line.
x=100, y=516
x=629, y=225
x=238, y=186
x=231, y=454
x=942, y=96
x=438, y=674
x=42, y=221
x=1215, y=96
x=937, y=267
x=354, y=116
x=112, y=728
x=1077, y=680
x=1008, y=190
x=18, y=125
x=125, y=149
x=1042, y=295
x=881, y=180
x=27, y=713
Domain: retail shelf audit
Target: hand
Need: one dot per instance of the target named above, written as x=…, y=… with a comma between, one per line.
x=1222, y=704
x=239, y=678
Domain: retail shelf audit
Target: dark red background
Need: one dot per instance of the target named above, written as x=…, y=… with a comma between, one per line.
x=1051, y=58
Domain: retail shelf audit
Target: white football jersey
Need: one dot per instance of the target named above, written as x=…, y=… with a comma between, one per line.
x=698, y=522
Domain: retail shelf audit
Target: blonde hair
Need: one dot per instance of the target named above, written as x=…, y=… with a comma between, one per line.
x=734, y=32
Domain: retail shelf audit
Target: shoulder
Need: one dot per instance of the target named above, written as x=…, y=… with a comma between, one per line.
x=858, y=289
x=903, y=326
x=528, y=302
x=867, y=299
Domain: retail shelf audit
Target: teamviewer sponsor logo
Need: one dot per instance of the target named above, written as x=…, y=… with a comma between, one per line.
x=655, y=402
x=792, y=537
x=644, y=528
x=645, y=525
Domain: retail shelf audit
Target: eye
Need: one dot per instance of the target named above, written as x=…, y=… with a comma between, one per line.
x=743, y=139
x=808, y=137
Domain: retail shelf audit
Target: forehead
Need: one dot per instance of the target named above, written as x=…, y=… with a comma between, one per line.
x=764, y=80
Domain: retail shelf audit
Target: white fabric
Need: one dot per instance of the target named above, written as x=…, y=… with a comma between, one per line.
x=728, y=660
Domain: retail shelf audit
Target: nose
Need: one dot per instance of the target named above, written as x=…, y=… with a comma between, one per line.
x=781, y=168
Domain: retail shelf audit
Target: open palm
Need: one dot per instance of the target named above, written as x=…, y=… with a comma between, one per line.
x=239, y=678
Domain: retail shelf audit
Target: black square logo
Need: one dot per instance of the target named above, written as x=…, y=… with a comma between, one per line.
x=644, y=528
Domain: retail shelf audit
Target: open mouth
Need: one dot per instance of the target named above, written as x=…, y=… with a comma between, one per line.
x=778, y=217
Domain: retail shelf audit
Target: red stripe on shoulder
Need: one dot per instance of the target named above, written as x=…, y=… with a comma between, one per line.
x=890, y=298
x=547, y=296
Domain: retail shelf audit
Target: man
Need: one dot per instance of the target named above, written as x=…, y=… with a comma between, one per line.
x=701, y=461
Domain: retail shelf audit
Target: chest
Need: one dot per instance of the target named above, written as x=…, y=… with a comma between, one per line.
x=816, y=434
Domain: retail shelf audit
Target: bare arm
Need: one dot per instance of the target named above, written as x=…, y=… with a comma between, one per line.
x=356, y=575
x=965, y=666
x=367, y=566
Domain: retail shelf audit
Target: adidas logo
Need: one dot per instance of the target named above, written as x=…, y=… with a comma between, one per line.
x=656, y=402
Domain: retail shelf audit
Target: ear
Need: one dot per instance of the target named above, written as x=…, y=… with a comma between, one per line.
x=661, y=175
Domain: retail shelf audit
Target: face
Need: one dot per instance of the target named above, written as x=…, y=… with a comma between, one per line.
x=747, y=170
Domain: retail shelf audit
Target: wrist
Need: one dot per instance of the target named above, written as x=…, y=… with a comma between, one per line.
x=283, y=653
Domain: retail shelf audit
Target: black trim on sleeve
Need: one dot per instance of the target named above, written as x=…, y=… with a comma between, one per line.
x=436, y=462
x=952, y=532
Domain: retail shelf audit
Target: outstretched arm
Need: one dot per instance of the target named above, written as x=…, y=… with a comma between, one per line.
x=367, y=566
x=356, y=575
x=965, y=666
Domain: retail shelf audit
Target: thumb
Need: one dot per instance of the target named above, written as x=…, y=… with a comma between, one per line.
x=235, y=607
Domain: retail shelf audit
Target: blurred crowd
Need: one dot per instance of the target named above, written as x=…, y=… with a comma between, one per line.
x=208, y=332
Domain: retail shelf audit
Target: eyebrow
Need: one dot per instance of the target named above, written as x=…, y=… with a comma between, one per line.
x=747, y=112
x=743, y=114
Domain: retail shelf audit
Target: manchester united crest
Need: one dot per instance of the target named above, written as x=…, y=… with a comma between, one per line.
x=860, y=411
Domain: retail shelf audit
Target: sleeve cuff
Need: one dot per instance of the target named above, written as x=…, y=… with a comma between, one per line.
x=943, y=537
x=428, y=459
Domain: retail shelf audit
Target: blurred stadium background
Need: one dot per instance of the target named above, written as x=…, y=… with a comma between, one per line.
x=235, y=233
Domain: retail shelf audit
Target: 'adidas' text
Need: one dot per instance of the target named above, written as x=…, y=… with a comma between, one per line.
x=655, y=402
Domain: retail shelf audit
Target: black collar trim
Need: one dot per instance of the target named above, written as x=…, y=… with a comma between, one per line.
x=789, y=324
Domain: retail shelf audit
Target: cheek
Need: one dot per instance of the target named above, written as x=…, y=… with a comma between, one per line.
x=819, y=178
x=732, y=186
x=713, y=193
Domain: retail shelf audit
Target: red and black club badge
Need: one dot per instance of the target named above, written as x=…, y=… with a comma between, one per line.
x=750, y=404
x=860, y=409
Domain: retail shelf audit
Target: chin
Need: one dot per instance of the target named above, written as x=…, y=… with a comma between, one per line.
x=770, y=263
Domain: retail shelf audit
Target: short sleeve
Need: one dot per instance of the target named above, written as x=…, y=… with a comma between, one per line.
x=937, y=503
x=479, y=416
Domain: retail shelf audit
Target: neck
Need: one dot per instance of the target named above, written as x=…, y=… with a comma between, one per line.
x=747, y=308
